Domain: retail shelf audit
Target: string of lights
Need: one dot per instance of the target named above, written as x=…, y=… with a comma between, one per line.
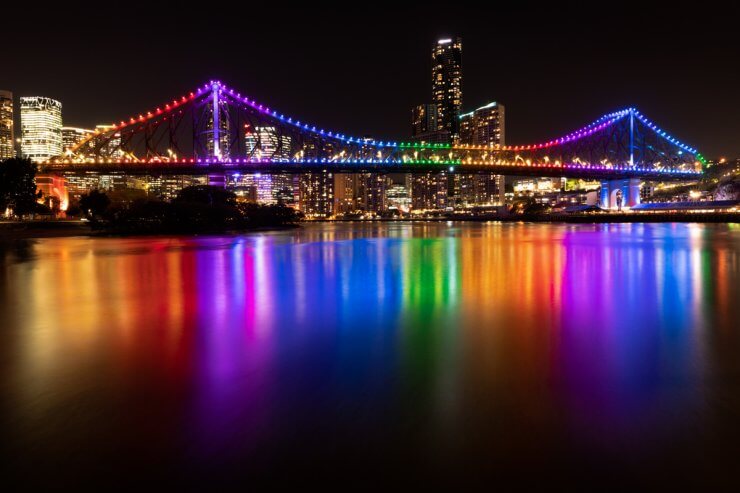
x=391, y=152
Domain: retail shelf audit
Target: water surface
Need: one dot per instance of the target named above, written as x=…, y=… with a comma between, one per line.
x=423, y=353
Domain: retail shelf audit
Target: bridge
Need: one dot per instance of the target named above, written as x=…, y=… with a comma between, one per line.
x=215, y=130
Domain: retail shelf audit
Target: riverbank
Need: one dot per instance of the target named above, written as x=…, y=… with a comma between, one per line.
x=19, y=230
x=653, y=217
x=44, y=229
x=64, y=228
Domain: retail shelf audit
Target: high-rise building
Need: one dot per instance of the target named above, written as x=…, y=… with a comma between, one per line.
x=370, y=192
x=483, y=127
x=41, y=128
x=398, y=192
x=423, y=119
x=268, y=189
x=447, y=84
x=316, y=194
x=166, y=186
x=7, y=139
x=398, y=196
x=345, y=186
x=267, y=143
x=71, y=136
x=113, y=148
x=429, y=191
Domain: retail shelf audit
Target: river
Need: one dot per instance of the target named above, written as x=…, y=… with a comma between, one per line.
x=417, y=353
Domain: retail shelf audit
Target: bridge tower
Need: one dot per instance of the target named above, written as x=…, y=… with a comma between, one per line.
x=629, y=187
x=218, y=132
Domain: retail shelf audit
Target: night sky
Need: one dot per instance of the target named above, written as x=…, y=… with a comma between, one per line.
x=360, y=69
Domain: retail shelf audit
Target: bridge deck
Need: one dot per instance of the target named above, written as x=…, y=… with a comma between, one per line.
x=160, y=169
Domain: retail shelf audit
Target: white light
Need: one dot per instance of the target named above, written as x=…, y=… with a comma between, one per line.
x=444, y=41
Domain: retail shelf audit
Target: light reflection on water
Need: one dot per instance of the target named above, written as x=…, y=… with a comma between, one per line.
x=460, y=349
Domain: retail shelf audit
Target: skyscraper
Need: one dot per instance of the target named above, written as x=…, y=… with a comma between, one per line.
x=267, y=143
x=423, y=119
x=370, y=192
x=483, y=127
x=113, y=148
x=7, y=142
x=71, y=136
x=429, y=191
x=447, y=84
x=316, y=194
x=345, y=186
x=41, y=128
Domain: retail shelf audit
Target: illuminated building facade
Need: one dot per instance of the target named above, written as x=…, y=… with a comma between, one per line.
x=423, y=119
x=41, y=128
x=539, y=185
x=398, y=196
x=429, y=191
x=114, y=145
x=345, y=200
x=370, y=192
x=79, y=184
x=316, y=194
x=447, y=84
x=167, y=187
x=267, y=189
x=267, y=143
x=7, y=137
x=484, y=126
x=71, y=136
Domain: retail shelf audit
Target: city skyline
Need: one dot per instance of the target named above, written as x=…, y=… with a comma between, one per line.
x=534, y=108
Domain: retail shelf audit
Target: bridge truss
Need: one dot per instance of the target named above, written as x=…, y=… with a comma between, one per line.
x=214, y=129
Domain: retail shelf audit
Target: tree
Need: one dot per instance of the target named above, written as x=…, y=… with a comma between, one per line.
x=94, y=203
x=206, y=195
x=18, y=186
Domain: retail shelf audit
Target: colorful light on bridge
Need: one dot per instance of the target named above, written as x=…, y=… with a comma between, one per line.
x=391, y=147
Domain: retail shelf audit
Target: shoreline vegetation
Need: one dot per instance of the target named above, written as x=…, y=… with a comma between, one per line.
x=133, y=225
x=200, y=209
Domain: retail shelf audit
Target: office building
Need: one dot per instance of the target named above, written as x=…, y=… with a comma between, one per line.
x=41, y=128
x=266, y=189
x=447, y=84
x=267, y=143
x=7, y=136
x=71, y=136
x=398, y=196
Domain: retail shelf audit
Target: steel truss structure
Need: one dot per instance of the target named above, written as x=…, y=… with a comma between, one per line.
x=217, y=129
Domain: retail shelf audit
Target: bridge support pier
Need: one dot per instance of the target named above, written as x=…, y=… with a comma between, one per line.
x=630, y=188
x=54, y=185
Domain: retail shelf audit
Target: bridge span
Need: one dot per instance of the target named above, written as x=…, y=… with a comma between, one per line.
x=216, y=130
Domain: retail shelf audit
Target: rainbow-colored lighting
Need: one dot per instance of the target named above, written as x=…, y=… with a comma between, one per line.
x=391, y=152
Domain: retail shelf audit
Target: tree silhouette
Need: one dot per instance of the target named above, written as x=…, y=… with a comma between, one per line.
x=18, y=186
x=94, y=203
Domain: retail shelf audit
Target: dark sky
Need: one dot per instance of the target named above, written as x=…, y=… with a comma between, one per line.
x=359, y=69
